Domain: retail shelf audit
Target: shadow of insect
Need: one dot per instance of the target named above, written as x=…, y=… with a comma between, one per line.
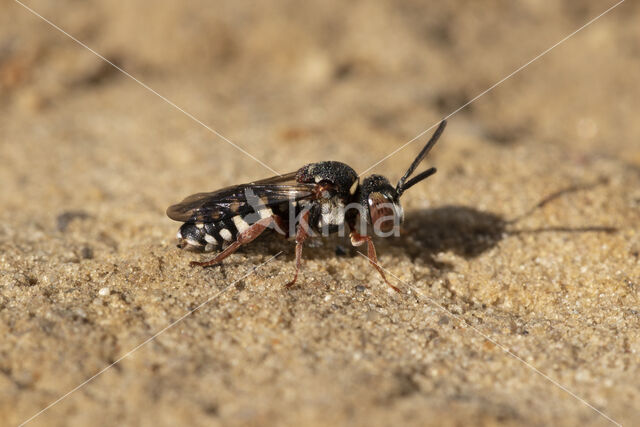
x=468, y=232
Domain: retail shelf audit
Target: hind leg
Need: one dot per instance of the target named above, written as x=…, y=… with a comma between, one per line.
x=243, y=238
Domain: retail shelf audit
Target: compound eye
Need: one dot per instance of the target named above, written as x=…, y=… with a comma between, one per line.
x=382, y=212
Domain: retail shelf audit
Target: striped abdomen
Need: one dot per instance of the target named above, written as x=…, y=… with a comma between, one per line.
x=210, y=236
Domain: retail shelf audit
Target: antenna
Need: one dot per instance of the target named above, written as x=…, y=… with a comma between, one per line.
x=402, y=186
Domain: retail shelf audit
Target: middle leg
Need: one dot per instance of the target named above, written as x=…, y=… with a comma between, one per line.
x=301, y=236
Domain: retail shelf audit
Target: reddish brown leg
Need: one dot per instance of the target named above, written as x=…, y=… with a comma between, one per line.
x=281, y=226
x=357, y=240
x=301, y=236
x=245, y=237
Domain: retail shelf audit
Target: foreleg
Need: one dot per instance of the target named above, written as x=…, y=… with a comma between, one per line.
x=357, y=240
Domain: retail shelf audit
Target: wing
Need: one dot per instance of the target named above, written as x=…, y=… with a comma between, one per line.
x=240, y=199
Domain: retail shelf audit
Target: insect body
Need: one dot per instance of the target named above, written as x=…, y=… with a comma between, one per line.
x=317, y=199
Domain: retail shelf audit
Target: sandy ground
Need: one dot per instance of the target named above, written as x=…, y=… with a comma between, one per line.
x=90, y=160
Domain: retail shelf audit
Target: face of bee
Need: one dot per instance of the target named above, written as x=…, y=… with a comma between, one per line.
x=381, y=200
x=384, y=212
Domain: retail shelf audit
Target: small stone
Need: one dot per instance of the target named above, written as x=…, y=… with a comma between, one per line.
x=86, y=252
x=104, y=292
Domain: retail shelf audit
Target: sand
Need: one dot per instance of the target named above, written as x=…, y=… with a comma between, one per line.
x=89, y=161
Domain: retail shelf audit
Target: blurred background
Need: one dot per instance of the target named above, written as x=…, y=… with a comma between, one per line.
x=90, y=159
x=291, y=84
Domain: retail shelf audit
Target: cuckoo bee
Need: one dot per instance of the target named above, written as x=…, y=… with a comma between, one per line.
x=317, y=199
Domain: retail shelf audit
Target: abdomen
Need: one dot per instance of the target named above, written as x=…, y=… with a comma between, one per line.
x=207, y=236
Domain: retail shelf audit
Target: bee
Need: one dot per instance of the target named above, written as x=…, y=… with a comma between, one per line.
x=317, y=199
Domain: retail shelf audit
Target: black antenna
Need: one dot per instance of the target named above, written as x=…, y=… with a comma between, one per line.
x=401, y=187
x=416, y=179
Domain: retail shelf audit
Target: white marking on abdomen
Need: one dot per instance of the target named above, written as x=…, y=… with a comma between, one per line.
x=265, y=213
x=210, y=239
x=240, y=223
x=225, y=234
x=193, y=242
